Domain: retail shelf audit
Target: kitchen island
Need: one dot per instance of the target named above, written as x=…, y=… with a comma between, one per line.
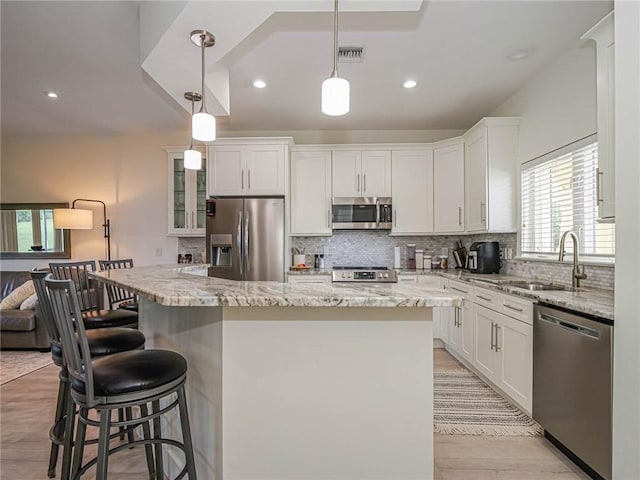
x=293, y=381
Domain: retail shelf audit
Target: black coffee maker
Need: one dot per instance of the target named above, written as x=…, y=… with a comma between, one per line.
x=484, y=257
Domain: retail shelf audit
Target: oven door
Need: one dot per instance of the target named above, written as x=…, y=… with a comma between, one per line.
x=355, y=213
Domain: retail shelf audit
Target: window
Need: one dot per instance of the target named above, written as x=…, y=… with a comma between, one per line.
x=559, y=194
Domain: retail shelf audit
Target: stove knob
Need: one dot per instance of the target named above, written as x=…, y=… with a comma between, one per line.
x=386, y=275
x=344, y=275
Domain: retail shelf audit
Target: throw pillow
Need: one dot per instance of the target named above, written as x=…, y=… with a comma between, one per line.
x=29, y=303
x=19, y=295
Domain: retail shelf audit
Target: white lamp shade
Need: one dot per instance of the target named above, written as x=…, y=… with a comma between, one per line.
x=72, y=218
x=192, y=159
x=203, y=127
x=335, y=96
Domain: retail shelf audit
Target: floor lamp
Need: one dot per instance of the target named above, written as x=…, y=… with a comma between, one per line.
x=78, y=219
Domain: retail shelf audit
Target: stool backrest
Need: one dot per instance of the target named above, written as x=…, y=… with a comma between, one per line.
x=75, y=347
x=45, y=305
x=89, y=291
x=117, y=294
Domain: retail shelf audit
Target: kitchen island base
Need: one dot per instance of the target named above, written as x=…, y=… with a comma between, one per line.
x=302, y=392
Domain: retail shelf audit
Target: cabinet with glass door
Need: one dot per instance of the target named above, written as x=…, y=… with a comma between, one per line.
x=187, y=196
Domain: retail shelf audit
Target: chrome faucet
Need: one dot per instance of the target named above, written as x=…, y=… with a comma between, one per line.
x=576, y=274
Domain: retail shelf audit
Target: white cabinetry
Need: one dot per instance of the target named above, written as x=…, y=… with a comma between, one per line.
x=324, y=279
x=310, y=193
x=361, y=173
x=462, y=334
x=187, y=197
x=448, y=187
x=491, y=175
x=412, y=187
x=603, y=34
x=246, y=167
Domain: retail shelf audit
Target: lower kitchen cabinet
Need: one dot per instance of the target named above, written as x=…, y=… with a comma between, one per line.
x=504, y=354
x=326, y=279
x=466, y=313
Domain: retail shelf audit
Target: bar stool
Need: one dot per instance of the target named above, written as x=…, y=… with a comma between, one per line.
x=124, y=379
x=101, y=341
x=90, y=296
x=119, y=297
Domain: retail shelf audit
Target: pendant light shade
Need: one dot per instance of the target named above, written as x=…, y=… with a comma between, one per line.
x=203, y=124
x=335, y=96
x=335, y=90
x=192, y=157
x=203, y=127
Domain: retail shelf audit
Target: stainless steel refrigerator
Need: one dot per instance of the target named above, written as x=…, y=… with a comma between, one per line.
x=245, y=238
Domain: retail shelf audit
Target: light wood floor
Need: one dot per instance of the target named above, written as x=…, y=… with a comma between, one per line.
x=27, y=407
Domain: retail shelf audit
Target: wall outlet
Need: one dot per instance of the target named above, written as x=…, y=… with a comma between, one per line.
x=159, y=252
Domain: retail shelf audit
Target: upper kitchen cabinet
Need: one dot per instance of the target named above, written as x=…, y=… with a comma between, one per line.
x=448, y=187
x=187, y=196
x=245, y=166
x=412, y=190
x=491, y=149
x=603, y=34
x=361, y=173
x=310, y=193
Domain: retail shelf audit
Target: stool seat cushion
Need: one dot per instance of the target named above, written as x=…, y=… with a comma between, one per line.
x=109, y=318
x=131, y=305
x=107, y=341
x=134, y=371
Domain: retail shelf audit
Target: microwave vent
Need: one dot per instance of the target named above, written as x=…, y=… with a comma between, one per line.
x=350, y=54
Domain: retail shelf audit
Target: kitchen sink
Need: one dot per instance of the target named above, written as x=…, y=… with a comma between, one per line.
x=536, y=286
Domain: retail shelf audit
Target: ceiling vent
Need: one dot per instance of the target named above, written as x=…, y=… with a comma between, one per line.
x=350, y=54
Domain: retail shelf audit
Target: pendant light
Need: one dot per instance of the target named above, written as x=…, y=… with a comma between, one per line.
x=203, y=124
x=335, y=90
x=192, y=157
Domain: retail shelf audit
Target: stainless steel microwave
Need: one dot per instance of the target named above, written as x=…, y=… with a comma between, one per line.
x=361, y=213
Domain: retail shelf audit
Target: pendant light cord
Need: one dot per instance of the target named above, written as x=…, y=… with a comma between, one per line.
x=335, y=39
x=192, y=112
x=203, y=108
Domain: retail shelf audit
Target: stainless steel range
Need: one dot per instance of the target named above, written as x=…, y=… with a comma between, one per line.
x=364, y=274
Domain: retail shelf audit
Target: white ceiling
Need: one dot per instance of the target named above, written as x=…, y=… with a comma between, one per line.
x=89, y=52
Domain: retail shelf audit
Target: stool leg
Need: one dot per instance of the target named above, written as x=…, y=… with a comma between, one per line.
x=78, y=448
x=186, y=434
x=120, y=419
x=146, y=432
x=103, y=444
x=58, y=429
x=69, y=424
x=128, y=413
x=157, y=433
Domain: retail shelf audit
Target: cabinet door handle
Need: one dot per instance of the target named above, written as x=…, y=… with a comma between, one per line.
x=459, y=216
x=483, y=216
x=506, y=305
x=193, y=223
x=497, y=337
x=492, y=327
x=484, y=298
x=249, y=179
x=358, y=183
x=598, y=173
x=329, y=218
x=458, y=290
x=242, y=179
x=364, y=181
x=395, y=218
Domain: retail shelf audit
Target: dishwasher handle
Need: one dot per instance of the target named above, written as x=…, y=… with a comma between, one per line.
x=588, y=332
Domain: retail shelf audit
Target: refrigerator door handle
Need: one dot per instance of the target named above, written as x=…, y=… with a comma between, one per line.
x=246, y=241
x=238, y=240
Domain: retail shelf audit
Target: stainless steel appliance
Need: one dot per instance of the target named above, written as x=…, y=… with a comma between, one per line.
x=361, y=213
x=245, y=238
x=572, y=385
x=364, y=274
x=484, y=257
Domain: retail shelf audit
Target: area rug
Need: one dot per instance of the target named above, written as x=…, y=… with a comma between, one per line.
x=465, y=405
x=15, y=364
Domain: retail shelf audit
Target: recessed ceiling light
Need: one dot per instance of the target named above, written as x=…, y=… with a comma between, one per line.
x=409, y=84
x=259, y=84
x=51, y=94
x=519, y=54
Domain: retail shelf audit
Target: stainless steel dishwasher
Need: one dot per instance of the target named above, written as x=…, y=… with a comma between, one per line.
x=572, y=385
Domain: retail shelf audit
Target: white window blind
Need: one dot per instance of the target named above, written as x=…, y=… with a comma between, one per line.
x=559, y=194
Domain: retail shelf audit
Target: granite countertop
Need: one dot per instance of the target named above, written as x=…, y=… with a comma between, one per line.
x=174, y=285
x=585, y=300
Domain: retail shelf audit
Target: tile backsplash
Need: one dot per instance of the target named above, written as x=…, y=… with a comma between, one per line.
x=376, y=248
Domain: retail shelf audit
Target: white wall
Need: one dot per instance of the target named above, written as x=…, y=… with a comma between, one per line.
x=626, y=366
x=558, y=106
